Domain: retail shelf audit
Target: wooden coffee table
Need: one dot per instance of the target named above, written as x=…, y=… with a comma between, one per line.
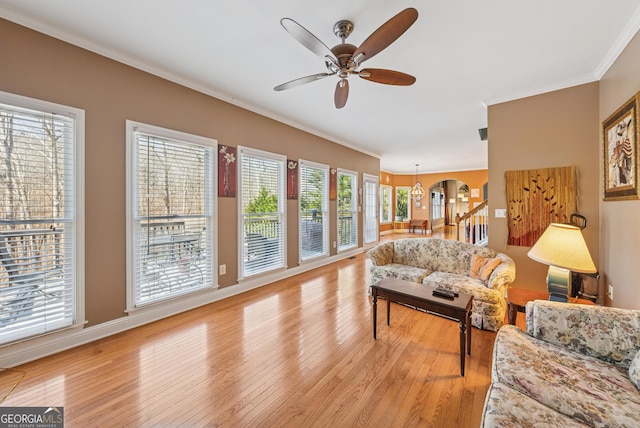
x=419, y=296
x=517, y=299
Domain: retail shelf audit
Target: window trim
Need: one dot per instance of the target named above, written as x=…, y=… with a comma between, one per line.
x=78, y=209
x=131, y=204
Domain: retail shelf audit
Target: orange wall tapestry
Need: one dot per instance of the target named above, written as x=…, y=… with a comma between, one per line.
x=536, y=198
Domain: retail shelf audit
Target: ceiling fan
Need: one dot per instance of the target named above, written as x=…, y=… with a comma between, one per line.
x=344, y=59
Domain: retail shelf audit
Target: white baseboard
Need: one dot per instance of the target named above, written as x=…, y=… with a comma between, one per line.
x=32, y=349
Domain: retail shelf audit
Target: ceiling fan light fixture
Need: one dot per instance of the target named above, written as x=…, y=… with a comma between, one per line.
x=358, y=58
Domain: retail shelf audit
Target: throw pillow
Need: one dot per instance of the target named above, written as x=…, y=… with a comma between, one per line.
x=634, y=370
x=482, y=267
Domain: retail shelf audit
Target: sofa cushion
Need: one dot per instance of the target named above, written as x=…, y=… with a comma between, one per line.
x=394, y=270
x=634, y=370
x=584, y=388
x=482, y=267
x=505, y=407
x=455, y=256
x=417, y=252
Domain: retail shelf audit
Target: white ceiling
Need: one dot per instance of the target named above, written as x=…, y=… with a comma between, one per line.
x=465, y=54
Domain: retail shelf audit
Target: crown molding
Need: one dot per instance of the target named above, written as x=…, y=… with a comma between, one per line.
x=628, y=33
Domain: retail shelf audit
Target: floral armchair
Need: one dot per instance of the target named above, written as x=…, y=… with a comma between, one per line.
x=576, y=365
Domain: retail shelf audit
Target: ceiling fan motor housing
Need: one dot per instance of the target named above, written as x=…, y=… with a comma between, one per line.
x=343, y=53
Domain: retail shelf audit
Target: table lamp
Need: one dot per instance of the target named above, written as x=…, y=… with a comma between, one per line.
x=562, y=247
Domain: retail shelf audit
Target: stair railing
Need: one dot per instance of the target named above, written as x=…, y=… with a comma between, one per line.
x=475, y=225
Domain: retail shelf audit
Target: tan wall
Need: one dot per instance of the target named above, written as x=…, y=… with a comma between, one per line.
x=619, y=224
x=109, y=92
x=550, y=130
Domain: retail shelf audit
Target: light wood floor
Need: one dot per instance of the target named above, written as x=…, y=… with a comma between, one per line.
x=297, y=353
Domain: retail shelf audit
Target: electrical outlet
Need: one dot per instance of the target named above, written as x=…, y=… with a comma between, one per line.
x=222, y=269
x=334, y=244
x=610, y=293
x=501, y=213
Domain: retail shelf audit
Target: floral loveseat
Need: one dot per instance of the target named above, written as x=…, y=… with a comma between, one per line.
x=577, y=365
x=451, y=265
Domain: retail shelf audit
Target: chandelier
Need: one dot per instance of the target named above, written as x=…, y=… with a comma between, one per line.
x=417, y=191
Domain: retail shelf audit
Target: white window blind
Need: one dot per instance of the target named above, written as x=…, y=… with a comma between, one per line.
x=38, y=284
x=172, y=214
x=370, y=209
x=347, y=210
x=314, y=203
x=385, y=204
x=262, y=215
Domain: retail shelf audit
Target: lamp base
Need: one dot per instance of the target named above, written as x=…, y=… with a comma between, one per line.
x=558, y=284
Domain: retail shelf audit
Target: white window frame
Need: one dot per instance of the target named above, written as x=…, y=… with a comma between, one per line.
x=386, y=189
x=209, y=233
x=354, y=210
x=281, y=214
x=408, y=189
x=73, y=216
x=324, y=211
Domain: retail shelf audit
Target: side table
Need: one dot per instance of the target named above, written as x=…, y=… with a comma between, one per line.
x=517, y=299
x=398, y=226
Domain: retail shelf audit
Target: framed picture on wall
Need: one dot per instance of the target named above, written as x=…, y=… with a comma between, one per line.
x=620, y=152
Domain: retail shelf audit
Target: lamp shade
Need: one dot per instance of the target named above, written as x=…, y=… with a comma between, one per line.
x=563, y=246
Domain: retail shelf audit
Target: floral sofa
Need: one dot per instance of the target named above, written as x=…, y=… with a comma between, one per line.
x=577, y=365
x=451, y=265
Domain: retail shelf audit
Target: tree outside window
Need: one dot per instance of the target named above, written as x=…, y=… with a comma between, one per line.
x=402, y=204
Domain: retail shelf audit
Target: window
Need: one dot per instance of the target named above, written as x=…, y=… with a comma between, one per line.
x=385, y=204
x=437, y=206
x=41, y=214
x=314, y=203
x=403, y=207
x=370, y=203
x=262, y=211
x=347, y=210
x=170, y=213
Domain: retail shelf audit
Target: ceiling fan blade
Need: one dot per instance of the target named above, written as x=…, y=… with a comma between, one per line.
x=301, y=81
x=307, y=39
x=388, y=77
x=386, y=34
x=342, y=93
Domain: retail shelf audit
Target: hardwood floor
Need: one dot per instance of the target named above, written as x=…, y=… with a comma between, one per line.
x=296, y=353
